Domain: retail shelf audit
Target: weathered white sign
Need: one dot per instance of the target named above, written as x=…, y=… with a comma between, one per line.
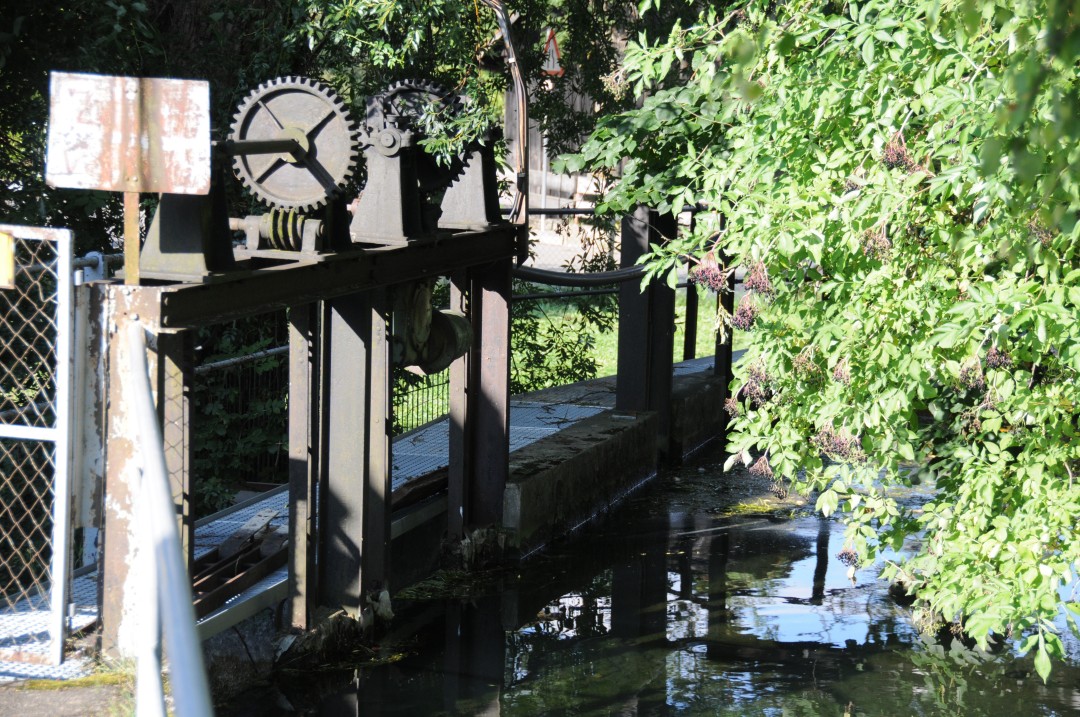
x=128, y=134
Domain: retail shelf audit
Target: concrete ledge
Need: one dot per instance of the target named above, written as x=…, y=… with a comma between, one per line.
x=563, y=480
x=697, y=412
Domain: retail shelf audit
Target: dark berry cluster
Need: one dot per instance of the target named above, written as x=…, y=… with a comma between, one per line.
x=876, y=244
x=996, y=358
x=761, y=468
x=745, y=314
x=971, y=375
x=849, y=557
x=756, y=388
x=757, y=279
x=842, y=372
x=896, y=154
x=840, y=445
x=1040, y=233
x=804, y=364
x=733, y=407
x=850, y=185
x=709, y=274
x=779, y=489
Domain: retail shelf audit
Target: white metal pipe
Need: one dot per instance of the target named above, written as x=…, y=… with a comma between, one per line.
x=191, y=693
x=62, y=457
x=28, y=433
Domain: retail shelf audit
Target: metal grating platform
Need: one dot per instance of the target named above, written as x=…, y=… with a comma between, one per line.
x=23, y=647
x=427, y=449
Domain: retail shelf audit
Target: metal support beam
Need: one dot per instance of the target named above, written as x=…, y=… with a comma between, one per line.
x=375, y=549
x=173, y=387
x=306, y=457
x=342, y=518
x=646, y=328
x=490, y=390
x=460, y=448
x=691, y=323
x=725, y=338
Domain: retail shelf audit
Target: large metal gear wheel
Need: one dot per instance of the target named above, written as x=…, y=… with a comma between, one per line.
x=311, y=113
x=403, y=105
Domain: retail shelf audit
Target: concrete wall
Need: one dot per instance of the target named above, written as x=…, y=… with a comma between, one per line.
x=563, y=480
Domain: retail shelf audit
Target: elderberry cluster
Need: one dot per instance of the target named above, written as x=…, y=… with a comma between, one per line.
x=840, y=445
x=708, y=274
x=756, y=388
x=996, y=358
x=745, y=314
x=761, y=468
x=804, y=365
x=876, y=244
x=733, y=407
x=896, y=155
x=971, y=375
x=849, y=557
x=1040, y=233
x=842, y=372
x=757, y=279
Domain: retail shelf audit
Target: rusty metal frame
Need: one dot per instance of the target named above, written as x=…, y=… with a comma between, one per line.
x=339, y=433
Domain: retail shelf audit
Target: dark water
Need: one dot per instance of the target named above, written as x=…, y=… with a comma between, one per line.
x=668, y=609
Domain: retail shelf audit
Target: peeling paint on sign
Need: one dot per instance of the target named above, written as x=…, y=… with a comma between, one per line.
x=128, y=134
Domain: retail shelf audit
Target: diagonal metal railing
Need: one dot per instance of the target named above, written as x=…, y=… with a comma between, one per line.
x=164, y=577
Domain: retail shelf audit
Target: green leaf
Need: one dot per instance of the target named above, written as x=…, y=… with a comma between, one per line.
x=1042, y=661
x=827, y=502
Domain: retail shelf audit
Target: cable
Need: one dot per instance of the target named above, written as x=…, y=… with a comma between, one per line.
x=561, y=278
x=519, y=209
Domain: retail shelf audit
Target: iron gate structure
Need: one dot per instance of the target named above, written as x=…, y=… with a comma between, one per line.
x=36, y=325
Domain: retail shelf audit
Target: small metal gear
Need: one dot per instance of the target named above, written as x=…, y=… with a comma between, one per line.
x=402, y=106
x=311, y=113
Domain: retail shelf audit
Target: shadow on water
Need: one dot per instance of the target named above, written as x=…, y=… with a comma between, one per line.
x=666, y=609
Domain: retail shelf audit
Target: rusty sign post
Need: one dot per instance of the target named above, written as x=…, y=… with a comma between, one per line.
x=130, y=135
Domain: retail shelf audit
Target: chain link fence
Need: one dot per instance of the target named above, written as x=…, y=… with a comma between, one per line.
x=35, y=326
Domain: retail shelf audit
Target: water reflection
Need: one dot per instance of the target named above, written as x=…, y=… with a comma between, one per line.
x=680, y=614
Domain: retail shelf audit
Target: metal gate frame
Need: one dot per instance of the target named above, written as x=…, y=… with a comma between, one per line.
x=60, y=433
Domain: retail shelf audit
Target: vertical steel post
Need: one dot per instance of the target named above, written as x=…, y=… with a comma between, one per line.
x=375, y=549
x=173, y=386
x=460, y=448
x=305, y=458
x=725, y=339
x=342, y=516
x=646, y=328
x=631, y=379
x=691, y=322
x=62, y=452
x=490, y=304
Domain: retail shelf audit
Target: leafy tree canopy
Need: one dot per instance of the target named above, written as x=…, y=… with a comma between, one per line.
x=357, y=46
x=900, y=182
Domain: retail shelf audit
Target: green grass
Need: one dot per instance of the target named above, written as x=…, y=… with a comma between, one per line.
x=607, y=344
